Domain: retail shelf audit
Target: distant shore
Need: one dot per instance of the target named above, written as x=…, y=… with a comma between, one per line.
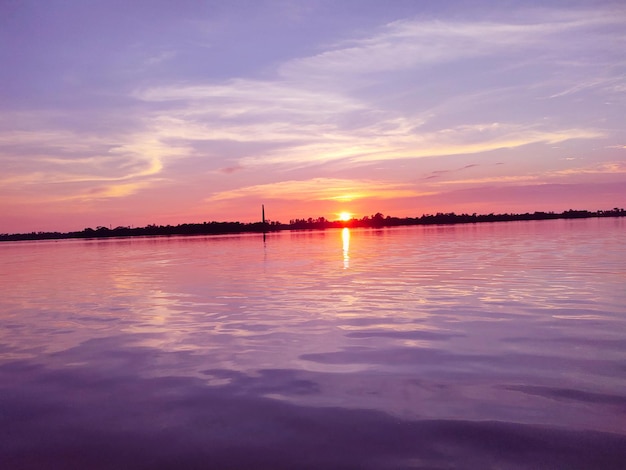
x=375, y=221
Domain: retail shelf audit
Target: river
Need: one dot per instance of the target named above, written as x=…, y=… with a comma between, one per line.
x=493, y=345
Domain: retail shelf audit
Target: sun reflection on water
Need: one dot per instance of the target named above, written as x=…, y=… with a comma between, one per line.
x=345, y=237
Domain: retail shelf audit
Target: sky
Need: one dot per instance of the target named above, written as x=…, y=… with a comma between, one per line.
x=117, y=113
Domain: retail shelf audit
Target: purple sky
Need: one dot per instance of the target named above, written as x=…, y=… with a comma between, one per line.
x=131, y=113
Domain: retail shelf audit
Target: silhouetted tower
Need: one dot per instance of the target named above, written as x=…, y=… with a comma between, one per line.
x=264, y=225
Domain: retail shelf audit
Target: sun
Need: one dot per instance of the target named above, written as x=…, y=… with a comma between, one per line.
x=345, y=216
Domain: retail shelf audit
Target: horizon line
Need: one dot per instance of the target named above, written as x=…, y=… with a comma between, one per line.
x=377, y=220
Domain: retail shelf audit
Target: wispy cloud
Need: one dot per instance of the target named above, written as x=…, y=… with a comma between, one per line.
x=363, y=146
x=50, y=154
x=495, y=179
x=438, y=173
x=548, y=176
x=616, y=167
x=306, y=128
x=247, y=97
x=322, y=189
x=310, y=120
x=414, y=43
x=607, y=83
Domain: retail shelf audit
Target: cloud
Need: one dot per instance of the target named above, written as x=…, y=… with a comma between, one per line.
x=247, y=97
x=159, y=58
x=495, y=179
x=606, y=83
x=43, y=152
x=304, y=119
x=305, y=128
x=438, y=173
x=605, y=168
x=617, y=167
x=275, y=113
x=112, y=191
x=231, y=169
x=411, y=43
x=364, y=145
x=322, y=189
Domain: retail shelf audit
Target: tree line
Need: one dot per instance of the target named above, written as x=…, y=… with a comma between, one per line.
x=377, y=220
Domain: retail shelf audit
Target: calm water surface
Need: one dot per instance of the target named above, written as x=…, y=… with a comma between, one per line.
x=469, y=346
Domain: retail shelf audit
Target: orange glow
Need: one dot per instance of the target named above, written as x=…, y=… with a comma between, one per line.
x=345, y=237
x=345, y=216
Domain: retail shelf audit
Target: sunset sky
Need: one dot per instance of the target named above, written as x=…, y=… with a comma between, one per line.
x=140, y=112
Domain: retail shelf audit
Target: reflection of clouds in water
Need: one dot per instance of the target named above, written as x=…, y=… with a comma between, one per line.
x=119, y=417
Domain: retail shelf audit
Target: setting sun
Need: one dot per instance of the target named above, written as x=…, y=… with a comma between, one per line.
x=345, y=216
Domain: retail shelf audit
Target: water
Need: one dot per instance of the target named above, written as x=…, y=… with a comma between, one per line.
x=470, y=346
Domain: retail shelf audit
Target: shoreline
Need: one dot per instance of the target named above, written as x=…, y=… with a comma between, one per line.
x=376, y=221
